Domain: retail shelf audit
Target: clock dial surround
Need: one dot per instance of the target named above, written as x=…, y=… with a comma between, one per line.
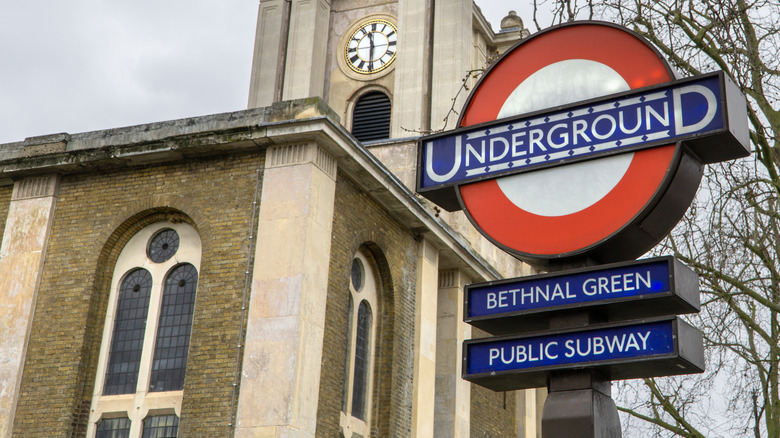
x=372, y=47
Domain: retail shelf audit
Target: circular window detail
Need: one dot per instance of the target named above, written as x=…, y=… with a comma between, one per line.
x=163, y=245
x=357, y=274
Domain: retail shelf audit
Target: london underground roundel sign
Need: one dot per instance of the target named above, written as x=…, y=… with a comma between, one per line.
x=579, y=145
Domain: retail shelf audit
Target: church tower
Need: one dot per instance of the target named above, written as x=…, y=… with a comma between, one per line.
x=393, y=70
x=389, y=68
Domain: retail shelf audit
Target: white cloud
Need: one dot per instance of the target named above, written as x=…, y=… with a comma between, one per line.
x=81, y=65
x=87, y=64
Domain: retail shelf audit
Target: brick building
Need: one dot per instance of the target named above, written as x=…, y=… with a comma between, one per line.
x=267, y=272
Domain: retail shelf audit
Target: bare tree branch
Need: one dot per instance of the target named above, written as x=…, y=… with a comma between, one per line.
x=731, y=235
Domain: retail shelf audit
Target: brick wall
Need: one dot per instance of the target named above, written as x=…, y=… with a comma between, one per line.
x=492, y=413
x=95, y=216
x=360, y=222
x=5, y=201
x=98, y=213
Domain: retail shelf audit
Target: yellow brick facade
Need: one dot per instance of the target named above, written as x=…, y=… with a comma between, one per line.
x=209, y=172
x=96, y=214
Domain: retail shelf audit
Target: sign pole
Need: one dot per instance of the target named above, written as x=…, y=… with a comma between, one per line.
x=579, y=405
x=579, y=402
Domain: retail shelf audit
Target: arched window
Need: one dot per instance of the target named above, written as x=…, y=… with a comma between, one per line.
x=173, y=330
x=359, y=362
x=127, y=338
x=146, y=338
x=371, y=117
x=363, y=335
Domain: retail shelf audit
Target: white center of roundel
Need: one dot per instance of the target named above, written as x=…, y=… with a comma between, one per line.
x=571, y=188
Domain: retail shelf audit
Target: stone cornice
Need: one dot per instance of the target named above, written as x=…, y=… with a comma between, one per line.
x=292, y=122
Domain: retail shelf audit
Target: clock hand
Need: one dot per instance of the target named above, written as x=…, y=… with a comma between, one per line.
x=370, y=50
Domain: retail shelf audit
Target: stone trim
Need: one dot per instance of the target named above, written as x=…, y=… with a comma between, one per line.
x=36, y=187
x=430, y=253
x=45, y=144
x=452, y=278
x=294, y=154
x=326, y=162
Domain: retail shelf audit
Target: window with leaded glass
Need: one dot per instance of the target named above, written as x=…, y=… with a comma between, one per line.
x=161, y=426
x=128, y=335
x=113, y=428
x=173, y=330
x=355, y=417
x=360, y=380
x=163, y=245
x=143, y=357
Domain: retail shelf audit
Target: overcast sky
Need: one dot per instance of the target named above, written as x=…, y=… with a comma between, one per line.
x=82, y=65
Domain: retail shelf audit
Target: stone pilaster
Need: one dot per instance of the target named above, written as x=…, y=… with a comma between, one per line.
x=22, y=254
x=453, y=394
x=290, y=53
x=412, y=69
x=453, y=52
x=265, y=85
x=530, y=403
x=307, y=49
x=283, y=347
x=424, y=379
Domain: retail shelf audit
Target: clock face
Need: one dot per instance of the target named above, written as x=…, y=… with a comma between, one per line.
x=371, y=48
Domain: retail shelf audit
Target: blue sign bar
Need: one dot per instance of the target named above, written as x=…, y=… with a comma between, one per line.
x=561, y=290
x=638, y=119
x=579, y=348
x=643, y=288
x=641, y=349
x=613, y=125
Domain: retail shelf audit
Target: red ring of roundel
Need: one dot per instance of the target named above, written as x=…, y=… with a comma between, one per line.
x=527, y=233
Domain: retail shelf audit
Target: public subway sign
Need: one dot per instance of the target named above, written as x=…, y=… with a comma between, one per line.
x=690, y=109
x=648, y=348
x=637, y=289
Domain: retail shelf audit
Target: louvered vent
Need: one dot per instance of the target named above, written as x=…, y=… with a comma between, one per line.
x=371, y=118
